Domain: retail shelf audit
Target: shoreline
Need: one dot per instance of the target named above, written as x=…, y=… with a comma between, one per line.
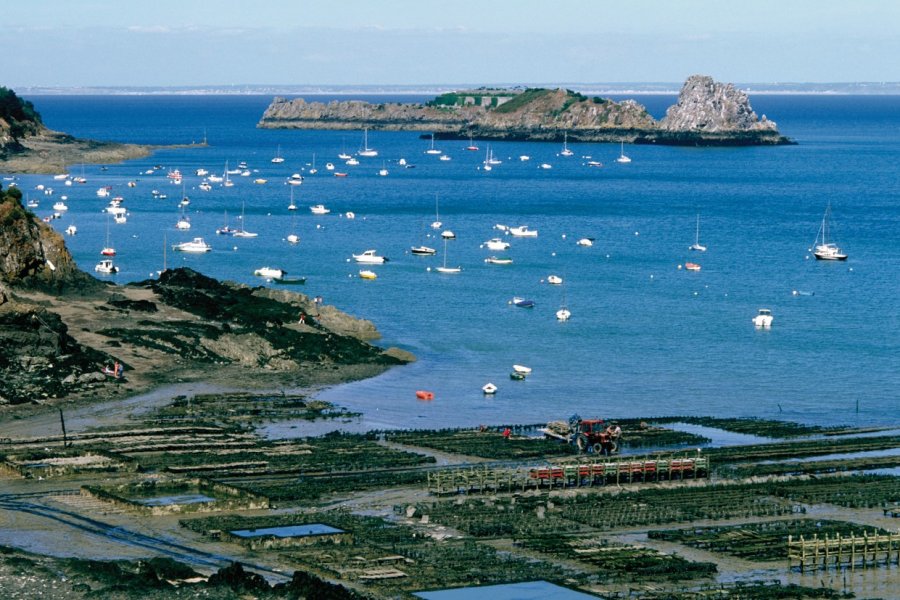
x=53, y=152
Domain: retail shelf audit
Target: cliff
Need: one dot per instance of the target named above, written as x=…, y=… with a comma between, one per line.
x=61, y=329
x=707, y=113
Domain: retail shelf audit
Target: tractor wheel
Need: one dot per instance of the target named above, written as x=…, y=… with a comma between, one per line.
x=598, y=448
x=582, y=443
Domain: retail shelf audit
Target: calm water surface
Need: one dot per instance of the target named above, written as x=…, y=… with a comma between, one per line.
x=645, y=338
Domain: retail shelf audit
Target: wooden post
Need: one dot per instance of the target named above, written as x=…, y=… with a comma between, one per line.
x=62, y=420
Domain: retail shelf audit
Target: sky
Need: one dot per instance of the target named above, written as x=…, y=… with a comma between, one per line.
x=89, y=43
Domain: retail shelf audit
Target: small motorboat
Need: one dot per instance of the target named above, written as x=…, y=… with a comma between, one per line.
x=269, y=272
x=319, y=209
x=71, y=230
x=289, y=280
x=366, y=274
x=522, y=231
x=517, y=376
x=763, y=319
x=587, y=242
x=448, y=235
x=106, y=267
x=691, y=266
x=260, y=181
x=422, y=251
x=521, y=369
x=494, y=260
x=554, y=280
x=197, y=245
x=489, y=389
x=424, y=395
x=522, y=302
x=350, y=214
x=563, y=314
x=496, y=244
x=370, y=257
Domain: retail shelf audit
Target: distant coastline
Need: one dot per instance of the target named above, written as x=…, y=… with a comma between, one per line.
x=613, y=88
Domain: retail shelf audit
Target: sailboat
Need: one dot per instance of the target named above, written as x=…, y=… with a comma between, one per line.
x=343, y=155
x=225, y=229
x=228, y=182
x=563, y=314
x=241, y=232
x=697, y=245
x=366, y=151
x=313, y=170
x=471, y=145
x=292, y=206
x=622, y=158
x=423, y=250
x=292, y=237
x=183, y=223
x=432, y=150
x=437, y=224
x=445, y=268
x=825, y=250
x=278, y=158
x=565, y=151
x=107, y=249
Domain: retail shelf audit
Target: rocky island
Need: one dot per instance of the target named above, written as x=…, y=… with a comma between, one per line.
x=707, y=113
x=62, y=332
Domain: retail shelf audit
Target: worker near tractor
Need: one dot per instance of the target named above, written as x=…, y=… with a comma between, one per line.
x=614, y=432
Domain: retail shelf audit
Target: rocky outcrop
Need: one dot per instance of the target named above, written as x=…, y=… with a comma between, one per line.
x=33, y=254
x=707, y=106
x=707, y=113
x=62, y=331
x=40, y=360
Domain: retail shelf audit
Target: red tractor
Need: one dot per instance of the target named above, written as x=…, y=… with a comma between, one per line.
x=589, y=435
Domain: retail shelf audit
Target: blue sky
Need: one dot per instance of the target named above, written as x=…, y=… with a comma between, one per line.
x=75, y=43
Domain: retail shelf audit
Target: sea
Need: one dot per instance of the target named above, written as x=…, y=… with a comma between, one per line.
x=646, y=336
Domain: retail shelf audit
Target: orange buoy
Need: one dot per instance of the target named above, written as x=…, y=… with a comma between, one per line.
x=424, y=395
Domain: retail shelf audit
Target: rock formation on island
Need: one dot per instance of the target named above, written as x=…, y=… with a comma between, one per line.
x=707, y=113
x=62, y=332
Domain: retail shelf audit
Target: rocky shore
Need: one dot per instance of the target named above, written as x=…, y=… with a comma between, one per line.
x=707, y=113
x=62, y=332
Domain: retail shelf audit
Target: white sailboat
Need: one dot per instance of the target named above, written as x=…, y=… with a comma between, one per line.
x=697, y=245
x=241, y=232
x=292, y=237
x=563, y=314
x=437, y=224
x=292, y=206
x=824, y=249
x=445, y=268
x=432, y=150
x=565, y=151
x=278, y=158
x=622, y=158
x=313, y=170
x=366, y=151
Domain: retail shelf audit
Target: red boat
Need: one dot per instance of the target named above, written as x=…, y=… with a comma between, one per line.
x=691, y=266
x=340, y=174
x=424, y=395
x=108, y=251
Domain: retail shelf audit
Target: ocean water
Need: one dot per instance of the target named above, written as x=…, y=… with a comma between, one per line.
x=645, y=338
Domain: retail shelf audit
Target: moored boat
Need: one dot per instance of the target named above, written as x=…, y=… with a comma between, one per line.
x=197, y=245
